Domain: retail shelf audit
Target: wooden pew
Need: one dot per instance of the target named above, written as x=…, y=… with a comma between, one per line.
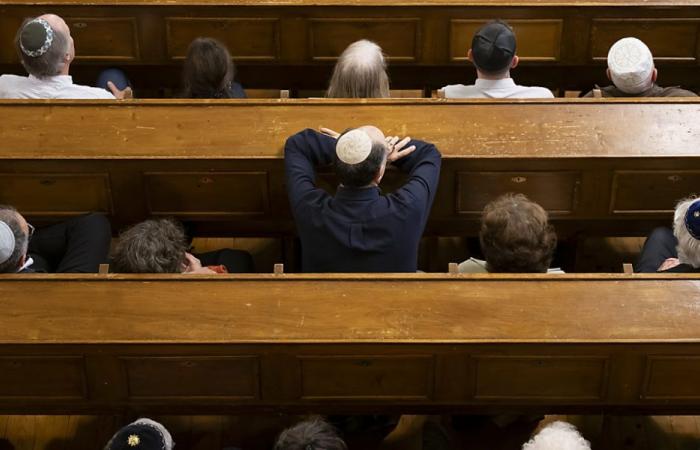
x=561, y=44
x=599, y=167
x=442, y=343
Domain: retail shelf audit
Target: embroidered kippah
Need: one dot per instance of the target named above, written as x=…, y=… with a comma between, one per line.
x=7, y=242
x=353, y=147
x=36, y=38
x=692, y=219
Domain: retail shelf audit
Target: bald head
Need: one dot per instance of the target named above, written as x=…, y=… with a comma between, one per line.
x=360, y=73
x=45, y=46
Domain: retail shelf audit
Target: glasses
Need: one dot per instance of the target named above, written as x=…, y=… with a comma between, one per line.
x=31, y=231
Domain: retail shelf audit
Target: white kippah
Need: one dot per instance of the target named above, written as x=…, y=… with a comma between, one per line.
x=631, y=64
x=7, y=242
x=353, y=147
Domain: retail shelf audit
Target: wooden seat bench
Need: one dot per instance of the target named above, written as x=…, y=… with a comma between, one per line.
x=599, y=167
x=349, y=343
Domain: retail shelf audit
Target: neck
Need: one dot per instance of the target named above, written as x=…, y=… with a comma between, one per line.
x=487, y=76
x=65, y=70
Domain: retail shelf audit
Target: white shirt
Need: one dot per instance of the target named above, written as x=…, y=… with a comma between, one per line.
x=57, y=87
x=473, y=265
x=504, y=88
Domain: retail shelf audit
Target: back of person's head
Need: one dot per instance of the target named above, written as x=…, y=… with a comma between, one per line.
x=558, y=436
x=312, y=434
x=493, y=48
x=151, y=246
x=208, y=70
x=516, y=236
x=13, y=240
x=686, y=228
x=360, y=73
x=42, y=45
x=359, y=158
x=143, y=434
x=631, y=66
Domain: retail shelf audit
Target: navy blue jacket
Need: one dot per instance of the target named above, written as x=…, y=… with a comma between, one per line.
x=358, y=230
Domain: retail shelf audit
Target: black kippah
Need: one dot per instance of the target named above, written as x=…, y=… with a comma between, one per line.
x=36, y=38
x=493, y=47
x=138, y=436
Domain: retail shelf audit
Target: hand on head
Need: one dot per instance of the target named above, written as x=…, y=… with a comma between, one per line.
x=395, y=148
x=125, y=94
x=193, y=265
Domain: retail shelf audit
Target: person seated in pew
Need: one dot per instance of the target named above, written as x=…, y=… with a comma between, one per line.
x=209, y=71
x=46, y=49
x=631, y=69
x=558, y=436
x=515, y=237
x=360, y=73
x=360, y=229
x=493, y=55
x=676, y=251
x=142, y=434
x=78, y=245
x=160, y=246
x=312, y=434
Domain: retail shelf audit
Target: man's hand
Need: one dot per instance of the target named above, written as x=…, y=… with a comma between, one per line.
x=194, y=266
x=670, y=263
x=395, y=148
x=126, y=94
x=329, y=132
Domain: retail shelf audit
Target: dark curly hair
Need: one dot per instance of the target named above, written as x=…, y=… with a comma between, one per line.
x=312, y=434
x=516, y=236
x=152, y=246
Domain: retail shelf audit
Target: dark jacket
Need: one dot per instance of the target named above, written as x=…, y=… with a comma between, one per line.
x=654, y=91
x=358, y=230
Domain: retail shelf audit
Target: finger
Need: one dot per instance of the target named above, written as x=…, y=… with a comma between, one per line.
x=113, y=88
x=329, y=132
x=394, y=140
x=400, y=154
x=128, y=93
x=403, y=142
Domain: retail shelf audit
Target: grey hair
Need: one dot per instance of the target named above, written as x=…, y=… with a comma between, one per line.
x=558, y=436
x=50, y=63
x=688, y=247
x=312, y=434
x=152, y=246
x=360, y=73
x=10, y=216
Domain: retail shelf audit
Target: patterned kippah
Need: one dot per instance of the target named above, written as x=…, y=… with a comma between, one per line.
x=631, y=65
x=36, y=38
x=7, y=242
x=692, y=219
x=353, y=147
x=138, y=436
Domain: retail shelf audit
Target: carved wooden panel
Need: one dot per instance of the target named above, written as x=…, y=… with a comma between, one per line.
x=651, y=191
x=42, y=377
x=538, y=40
x=557, y=192
x=672, y=377
x=541, y=377
x=105, y=39
x=54, y=194
x=399, y=38
x=247, y=39
x=367, y=378
x=230, y=377
x=668, y=39
x=207, y=193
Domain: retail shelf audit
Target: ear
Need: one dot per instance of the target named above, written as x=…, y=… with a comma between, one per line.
x=469, y=55
x=654, y=74
x=380, y=173
x=22, y=261
x=607, y=73
x=515, y=62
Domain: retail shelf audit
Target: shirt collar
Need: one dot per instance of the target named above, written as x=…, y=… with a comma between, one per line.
x=504, y=83
x=57, y=79
x=348, y=193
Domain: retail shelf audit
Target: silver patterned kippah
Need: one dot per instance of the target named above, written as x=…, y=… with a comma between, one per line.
x=7, y=242
x=36, y=38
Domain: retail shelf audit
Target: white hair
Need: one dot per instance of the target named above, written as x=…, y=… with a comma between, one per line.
x=360, y=73
x=558, y=436
x=688, y=247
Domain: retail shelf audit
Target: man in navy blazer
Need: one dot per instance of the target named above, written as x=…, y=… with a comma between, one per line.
x=360, y=229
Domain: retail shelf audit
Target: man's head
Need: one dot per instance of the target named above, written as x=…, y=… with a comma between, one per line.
x=631, y=66
x=313, y=434
x=152, y=246
x=143, y=434
x=360, y=156
x=360, y=73
x=14, y=239
x=686, y=228
x=45, y=46
x=558, y=436
x=516, y=236
x=493, y=50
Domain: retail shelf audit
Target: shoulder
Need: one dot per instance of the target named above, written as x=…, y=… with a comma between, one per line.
x=78, y=91
x=303, y=135
x=676, y=91
x=473, y=265
x=12, y=80
x=458, y=90
x=537, y=92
